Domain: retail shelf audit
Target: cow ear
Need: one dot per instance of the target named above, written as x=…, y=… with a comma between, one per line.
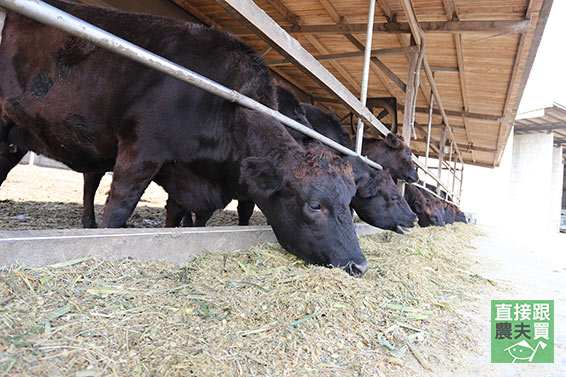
x=261, y=176
x=419, y=206
x=366, y=186
x=392, y=141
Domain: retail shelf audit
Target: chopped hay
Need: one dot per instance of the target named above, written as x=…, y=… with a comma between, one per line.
x=259, y=312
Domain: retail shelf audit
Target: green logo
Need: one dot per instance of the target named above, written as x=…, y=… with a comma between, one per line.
x=522, y=331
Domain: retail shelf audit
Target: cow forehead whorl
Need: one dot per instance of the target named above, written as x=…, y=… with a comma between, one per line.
x=318, y=160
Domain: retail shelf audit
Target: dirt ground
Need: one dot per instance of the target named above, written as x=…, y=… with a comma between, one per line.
x=46, y=198
x=520, y=266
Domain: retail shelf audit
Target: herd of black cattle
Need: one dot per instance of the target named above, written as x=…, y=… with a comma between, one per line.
x=65, y=98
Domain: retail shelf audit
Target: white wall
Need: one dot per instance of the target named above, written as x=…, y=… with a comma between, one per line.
x=523, y=192
x=485, y=192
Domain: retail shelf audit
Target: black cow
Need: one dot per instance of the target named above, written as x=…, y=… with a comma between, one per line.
x=426, y=211
x=449, y=213
x=96, y=111
x=436, y=202
x=393, y=154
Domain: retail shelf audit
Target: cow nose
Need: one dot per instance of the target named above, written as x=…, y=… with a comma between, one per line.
x=358, y=269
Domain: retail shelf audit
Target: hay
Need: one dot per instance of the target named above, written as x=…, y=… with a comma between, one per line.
x=259, y=312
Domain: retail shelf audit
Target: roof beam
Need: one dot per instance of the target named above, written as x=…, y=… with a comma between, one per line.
x=540, y=127
x=465, y=114
x=350, y=55
x=438, y=68
x=491, y=27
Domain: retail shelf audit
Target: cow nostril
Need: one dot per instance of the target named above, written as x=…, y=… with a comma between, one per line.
x=358, y=269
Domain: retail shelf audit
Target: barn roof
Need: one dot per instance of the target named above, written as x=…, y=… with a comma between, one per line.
x=479, y=52
x=551, y=119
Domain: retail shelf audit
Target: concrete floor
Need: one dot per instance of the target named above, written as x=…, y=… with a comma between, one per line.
x=525, y=266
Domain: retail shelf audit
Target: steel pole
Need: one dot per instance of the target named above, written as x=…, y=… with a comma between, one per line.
x=365, y=76
x=429, y=129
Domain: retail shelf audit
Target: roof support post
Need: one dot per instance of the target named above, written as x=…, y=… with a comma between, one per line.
x=410, y=96
x=365, y=76
x=454, y=177
x=441, y=156
x=429, y=129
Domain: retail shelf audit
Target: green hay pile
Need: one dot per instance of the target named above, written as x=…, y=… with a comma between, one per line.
x=260, y=312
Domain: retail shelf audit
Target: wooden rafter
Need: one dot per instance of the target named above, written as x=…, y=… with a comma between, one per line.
x=495, y=26
x=350, y=55
x=187, y=6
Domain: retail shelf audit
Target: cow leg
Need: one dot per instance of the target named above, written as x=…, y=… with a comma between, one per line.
x=8, y=161
x=91, y=182
x=187, y=221
x=245, y=211
x=175, y=213
x=129, y=181
x=202, y=217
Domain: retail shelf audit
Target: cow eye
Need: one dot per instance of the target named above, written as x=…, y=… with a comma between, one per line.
x=315, y=206
x=395, y=198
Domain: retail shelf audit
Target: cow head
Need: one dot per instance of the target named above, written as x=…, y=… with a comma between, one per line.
x=460, y=216
x=394, y=155
x=424, y=207
x=307, y=204
x=378, y=200
x=449, y=213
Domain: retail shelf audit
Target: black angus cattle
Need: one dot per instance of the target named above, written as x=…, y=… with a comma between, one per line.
x=436, y=202
x=427, y=213
x=96, y=111
x=449, y=213
x=393, y=154
x=378, y=200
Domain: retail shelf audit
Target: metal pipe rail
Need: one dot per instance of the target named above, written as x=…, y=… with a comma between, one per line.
x=56, y=18
x=433, y=193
